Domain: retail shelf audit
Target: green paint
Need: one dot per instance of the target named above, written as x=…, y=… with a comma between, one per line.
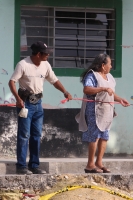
x=115, y=4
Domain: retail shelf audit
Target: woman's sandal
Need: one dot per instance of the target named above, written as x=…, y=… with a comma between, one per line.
x=94, y=170
x=105, y=170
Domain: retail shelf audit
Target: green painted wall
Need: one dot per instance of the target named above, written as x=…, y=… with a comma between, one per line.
x=121, y=134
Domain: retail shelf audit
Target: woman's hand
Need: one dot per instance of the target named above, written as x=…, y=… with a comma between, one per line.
x=110, y=91
x=124, y=102
x=94, y=90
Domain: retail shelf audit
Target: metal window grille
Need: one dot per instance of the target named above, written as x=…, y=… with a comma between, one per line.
x=76, y=35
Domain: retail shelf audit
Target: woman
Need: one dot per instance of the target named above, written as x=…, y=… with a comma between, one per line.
x=95, y=118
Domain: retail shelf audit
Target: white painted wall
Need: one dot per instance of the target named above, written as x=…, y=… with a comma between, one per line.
x=121, y=134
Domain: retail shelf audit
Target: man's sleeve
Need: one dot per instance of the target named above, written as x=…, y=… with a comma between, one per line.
x=17, y=73
x=51, y=77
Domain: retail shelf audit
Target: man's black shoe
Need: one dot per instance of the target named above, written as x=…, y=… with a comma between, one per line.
x=37, y=171
x=23, y=171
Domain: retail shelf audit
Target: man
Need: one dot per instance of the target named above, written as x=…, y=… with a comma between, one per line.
x=31, y=73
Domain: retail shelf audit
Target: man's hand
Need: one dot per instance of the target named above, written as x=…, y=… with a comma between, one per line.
x=68, y=95
x=20, y=103
x=124, y=102
x=58, y=85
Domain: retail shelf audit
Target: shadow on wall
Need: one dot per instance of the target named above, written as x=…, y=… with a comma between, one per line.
x=61, y=137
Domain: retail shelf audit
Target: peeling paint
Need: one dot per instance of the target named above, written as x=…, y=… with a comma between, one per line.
x=59, y=138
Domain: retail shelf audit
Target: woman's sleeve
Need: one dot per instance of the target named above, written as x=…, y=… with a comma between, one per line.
x=90, y=80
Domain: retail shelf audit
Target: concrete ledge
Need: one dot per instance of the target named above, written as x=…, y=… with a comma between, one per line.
x=121, y=175
x=67, y=165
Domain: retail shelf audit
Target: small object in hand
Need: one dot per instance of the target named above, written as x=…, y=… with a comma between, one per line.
x=64, y=100
x=23, y=113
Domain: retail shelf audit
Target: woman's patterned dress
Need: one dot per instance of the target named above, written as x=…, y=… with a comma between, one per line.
x=93, y=131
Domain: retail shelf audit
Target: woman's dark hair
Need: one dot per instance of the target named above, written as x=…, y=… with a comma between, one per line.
x=96, y=64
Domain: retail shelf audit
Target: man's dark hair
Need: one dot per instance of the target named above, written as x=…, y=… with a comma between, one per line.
x=40, y=47
x=34, y=53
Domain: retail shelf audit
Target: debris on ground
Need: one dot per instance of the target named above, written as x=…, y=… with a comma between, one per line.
x=71, y=187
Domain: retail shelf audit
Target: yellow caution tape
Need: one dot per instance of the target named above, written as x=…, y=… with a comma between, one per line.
x=68, y=188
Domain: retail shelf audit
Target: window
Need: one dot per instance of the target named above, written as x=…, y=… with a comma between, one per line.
x=76, y=35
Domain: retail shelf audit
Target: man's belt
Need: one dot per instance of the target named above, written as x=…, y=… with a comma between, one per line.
x=26, y=95
x=34, y=98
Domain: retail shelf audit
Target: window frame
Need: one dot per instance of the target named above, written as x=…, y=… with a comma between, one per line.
x=112, y=4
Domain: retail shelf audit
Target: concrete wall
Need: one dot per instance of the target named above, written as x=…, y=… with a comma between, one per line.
x=121, y=134
x=7, y=47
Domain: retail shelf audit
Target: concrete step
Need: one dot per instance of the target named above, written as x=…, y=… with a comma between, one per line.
x=121, y=175
x=69, y=165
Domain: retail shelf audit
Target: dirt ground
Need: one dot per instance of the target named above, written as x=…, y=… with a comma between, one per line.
x=62, y=181
x=84, y=193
